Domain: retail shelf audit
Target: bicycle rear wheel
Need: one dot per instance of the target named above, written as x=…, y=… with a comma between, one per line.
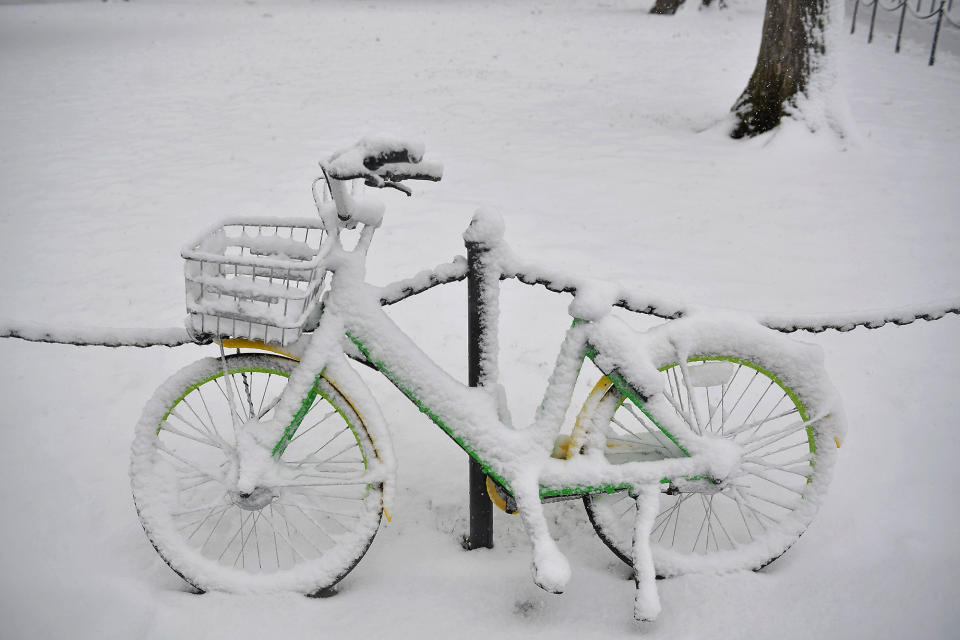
x=303, y=534
x=724, y=387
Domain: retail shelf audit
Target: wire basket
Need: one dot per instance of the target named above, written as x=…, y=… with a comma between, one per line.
x=255, y=278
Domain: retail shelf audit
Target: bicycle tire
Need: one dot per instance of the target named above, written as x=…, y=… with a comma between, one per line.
x=307, y=534
x=787, y=461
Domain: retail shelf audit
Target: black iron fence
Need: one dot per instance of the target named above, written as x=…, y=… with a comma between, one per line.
x=937, y=13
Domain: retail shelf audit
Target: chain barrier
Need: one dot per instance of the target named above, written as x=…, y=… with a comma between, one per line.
x=456, y=271
x=940, y=12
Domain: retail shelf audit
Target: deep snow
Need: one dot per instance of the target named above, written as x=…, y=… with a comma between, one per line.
x=127, y=128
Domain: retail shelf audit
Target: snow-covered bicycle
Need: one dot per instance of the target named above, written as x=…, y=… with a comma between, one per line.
x=707, y=445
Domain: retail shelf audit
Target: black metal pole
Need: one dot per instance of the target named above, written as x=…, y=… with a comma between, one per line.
x=903, y=14
x=481, y=509
x=936, y=34
x=853, y=25
x=873, y=18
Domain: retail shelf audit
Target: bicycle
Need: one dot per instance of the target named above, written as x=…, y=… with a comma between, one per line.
x=707, y=445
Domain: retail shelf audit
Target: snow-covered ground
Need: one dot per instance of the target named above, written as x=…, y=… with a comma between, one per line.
x=595, y=129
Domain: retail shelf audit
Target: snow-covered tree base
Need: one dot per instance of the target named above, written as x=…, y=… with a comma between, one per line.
x=794, y=76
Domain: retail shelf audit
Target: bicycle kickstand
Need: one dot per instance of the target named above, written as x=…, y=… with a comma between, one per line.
x=646, y=606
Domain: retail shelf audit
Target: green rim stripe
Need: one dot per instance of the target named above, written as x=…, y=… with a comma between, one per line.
x=291, y=429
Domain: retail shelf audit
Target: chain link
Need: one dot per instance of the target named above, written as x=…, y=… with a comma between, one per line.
x=456, y=270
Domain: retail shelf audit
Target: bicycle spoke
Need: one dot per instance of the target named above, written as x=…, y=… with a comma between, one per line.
x=803, y=443
x=163, y=448
x=770, y=413
x=256, y=536
x=206, y=408
x=346, y=449
x=742, y=516
x=199, y=523
x=684, y=416
x=777, y=436
x=723, y=394
x=779, y=466
x=276, y=547
x=744, y=392
x=314, y=426
x=244, y=539
x=313, y=522
x=707, y=506
x=691, y=397
x=719, y=521
x=759, y=400
x=204, y=433
x=230, y=542
x=699, y=531
x=270, y=405
x=286, y=519
x=333, y=483
x=166, y=426
x=776, y=503
x=260, y=411
x=759, y=423
x=230, y=403
x=329, y=512
x=215, y=525
x=676, y=382
x=321, y=447
x=755, y=511
x=285, y=538
x=656, y=436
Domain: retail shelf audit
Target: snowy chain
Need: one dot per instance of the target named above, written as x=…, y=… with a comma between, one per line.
x=455, y=271
x=670, y=310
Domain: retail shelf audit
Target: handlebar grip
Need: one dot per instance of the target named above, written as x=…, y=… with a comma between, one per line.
x=432, y=171
x=391, y=156
x=382, y=160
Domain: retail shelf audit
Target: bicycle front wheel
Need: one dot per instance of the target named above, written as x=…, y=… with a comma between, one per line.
x=722, y=388
x=303, y=534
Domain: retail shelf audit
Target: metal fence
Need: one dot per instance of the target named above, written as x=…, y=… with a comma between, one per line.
x=936, y=14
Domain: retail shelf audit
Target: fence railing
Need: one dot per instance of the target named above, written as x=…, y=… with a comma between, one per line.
x=939, y=13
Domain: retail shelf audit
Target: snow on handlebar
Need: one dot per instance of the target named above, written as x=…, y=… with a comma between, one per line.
x=383, y=161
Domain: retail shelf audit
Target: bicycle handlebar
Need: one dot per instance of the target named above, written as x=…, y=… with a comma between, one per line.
x=383, y=162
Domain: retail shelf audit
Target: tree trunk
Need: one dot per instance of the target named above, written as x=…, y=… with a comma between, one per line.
x=666, y=7
x=669, y=7
x=790, y=51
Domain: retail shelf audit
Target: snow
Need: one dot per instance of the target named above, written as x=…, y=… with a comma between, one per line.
x=128, y=127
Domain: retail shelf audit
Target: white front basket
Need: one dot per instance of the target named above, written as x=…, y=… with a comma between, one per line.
x=255, y=278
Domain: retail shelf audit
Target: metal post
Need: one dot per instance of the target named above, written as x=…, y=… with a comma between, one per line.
x=853, y=25
x=903, y=14
x=873, y=18
x=936, y=34
x=481, y=509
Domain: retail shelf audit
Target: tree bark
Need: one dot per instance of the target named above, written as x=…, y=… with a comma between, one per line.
x=669, y=7
x=666, y=7
x=790, y=51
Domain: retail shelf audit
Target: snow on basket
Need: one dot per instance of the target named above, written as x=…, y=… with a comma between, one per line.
x=255, y=278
